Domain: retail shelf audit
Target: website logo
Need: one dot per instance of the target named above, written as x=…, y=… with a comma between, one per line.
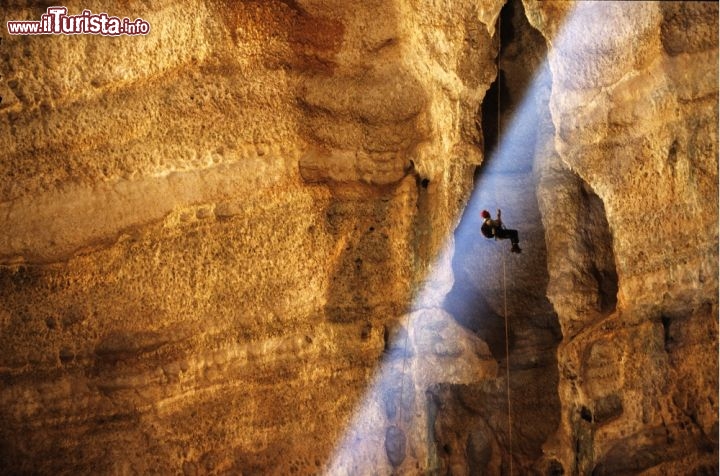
x=56, y=21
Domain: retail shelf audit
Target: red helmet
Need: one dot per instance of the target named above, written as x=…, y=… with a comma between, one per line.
x=485, y=214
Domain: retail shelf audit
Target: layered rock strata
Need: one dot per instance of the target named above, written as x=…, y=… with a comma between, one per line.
x=227, y=247
x=211, y=234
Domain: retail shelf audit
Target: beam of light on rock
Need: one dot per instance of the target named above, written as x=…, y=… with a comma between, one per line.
x=363, y=443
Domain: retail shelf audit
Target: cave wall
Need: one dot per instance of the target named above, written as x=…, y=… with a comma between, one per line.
x=480, y=429
x=629, y=200
x=224, y=246
x=211, y=235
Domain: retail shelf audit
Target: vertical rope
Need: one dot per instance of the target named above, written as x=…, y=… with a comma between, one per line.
x=497, y=145
x=507, y=367
x=402, y=379
x=505, y=313
x=395, y=437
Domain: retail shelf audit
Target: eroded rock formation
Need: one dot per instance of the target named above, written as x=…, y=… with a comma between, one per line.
x=632, y=174
x=247, y=242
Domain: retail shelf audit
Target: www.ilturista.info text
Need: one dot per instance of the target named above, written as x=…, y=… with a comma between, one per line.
x=56, y=21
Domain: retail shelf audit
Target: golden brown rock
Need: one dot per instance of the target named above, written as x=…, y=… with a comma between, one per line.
x=226, y=247
x=634, y=107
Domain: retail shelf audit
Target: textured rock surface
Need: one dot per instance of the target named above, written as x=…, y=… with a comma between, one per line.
x=210, y=234
x=224, y=246
x=493, y=287
x=629, y=200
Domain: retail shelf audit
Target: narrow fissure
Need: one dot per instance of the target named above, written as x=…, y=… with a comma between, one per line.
x=600, y=250
x=508, y=118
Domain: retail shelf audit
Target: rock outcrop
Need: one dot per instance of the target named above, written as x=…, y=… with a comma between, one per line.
x=211, y=233
x=247, y=242
x=628, y=193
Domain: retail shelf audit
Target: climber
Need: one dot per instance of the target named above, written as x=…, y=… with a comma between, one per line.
x=494, y=229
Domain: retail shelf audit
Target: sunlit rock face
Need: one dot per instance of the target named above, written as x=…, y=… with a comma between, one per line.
x=628, y=195
x=227, y=247
x=493, y=287
x=211, y=235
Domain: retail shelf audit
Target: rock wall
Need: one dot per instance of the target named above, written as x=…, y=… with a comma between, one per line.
x=502, y=296
x=629, y=200
x=212, y=234
x=227, y=247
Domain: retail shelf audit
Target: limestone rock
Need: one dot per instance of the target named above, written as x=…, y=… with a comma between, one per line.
x=247, y=243
x=635, y=144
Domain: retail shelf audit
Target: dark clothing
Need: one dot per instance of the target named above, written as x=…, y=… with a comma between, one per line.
x=500, y=232
x=505, y=233
x=494, y=229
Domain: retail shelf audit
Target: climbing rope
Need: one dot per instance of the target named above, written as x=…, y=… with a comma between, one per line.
x=402, y=378
x=507, y=366
x=395, y=439
x=505, y=313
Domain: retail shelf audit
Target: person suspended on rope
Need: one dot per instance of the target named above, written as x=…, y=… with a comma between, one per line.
x=495, y=229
